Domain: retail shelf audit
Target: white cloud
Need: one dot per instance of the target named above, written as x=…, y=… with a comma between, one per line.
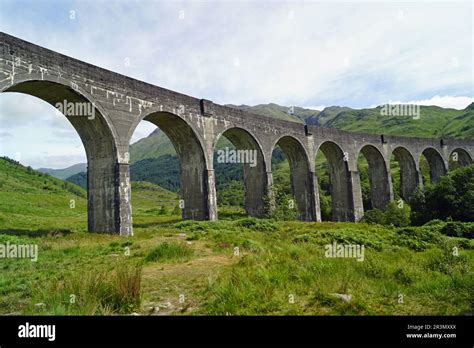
x=442, y=101
x=290, y=53
x=34, y=133
x=18, y=110
x=317, y=107
x=143, y=130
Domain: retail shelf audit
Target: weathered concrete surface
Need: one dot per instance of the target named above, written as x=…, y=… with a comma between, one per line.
x=194, y=126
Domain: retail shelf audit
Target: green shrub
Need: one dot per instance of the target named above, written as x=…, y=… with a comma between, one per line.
x=284, y=206
x=254, y=224
x=435, y=222
x=452, y=197
x=417, y=238
x=463, y=243
x=458, y=229
x=374, y=216
x=447, y=262
x=397, y=214
x=419, y=213
x=326, y=207
x=191, y=226
x=353, y=236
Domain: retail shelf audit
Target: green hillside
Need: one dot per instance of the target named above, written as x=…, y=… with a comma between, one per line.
x=52, y=203
x=66, y=172
x=287, y=113
x=434, y=121
x=31, y=198
x=326, y=115
x=155, y=145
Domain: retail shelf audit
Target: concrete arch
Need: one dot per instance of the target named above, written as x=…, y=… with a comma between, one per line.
x=461, y=156
x=435, y=162
x=296, y=143
x=164, y=109
x=340, y=181
x=379, y=177
x=21, y=79
x=250, y=137
x=194, y=187
x=301, y=177
x=107, y=212
x=255, y=177
x=409, y=173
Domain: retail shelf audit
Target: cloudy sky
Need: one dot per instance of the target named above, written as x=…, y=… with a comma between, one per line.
x=310, y=54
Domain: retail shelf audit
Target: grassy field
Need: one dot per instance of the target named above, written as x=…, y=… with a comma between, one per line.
x=235, y=266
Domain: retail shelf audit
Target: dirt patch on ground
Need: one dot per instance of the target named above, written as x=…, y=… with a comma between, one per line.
x=176, y=288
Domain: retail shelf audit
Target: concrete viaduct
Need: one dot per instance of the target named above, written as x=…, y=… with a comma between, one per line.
x=194, y=126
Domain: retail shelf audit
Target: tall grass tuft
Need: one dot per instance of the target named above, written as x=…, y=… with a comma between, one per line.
x=169, y=251
x=91, y=293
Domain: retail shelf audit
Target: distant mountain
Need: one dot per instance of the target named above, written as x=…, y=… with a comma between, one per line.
x=66, y=172
x=155, y=145
x=18, y=181
x=469, y=107
x=288, y=113
x=434, y=122
x=323, y=117
x=79, y=179
x=164, y=171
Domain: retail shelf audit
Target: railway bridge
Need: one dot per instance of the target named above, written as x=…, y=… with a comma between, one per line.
x=119, y=103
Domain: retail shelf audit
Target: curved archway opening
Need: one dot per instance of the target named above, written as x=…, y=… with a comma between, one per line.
x=292, y=179
x=155, y=175
x=333, y=180
x=459, y=158
x=405, y=176
x=432, y=166
x=230, y=188
x=171, y=157
x=97, y=141
x=374, y=178
x=240, y=172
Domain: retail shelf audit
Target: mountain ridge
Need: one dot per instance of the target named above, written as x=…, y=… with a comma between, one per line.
x=434, y=121
x=64, y=173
